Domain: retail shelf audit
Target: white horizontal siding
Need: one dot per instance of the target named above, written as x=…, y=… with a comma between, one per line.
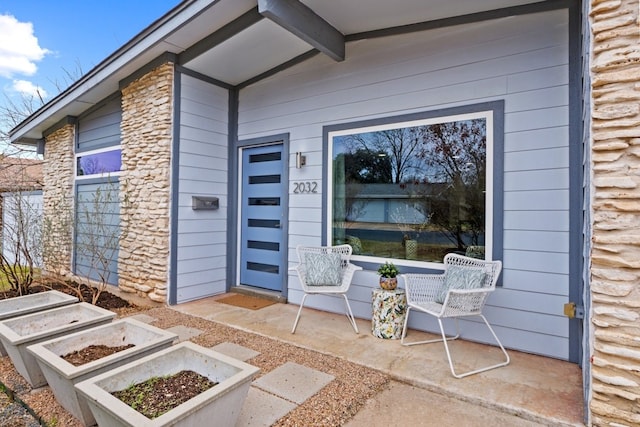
x=202, y=171
x=521, y=60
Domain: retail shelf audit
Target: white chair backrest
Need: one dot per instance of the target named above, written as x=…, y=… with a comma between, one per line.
x=343, y=250
x=492, y=268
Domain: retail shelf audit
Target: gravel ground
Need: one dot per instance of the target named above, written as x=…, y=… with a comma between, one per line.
x=336, y=403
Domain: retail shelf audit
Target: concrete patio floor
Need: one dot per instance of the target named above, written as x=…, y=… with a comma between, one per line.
x=531, y=390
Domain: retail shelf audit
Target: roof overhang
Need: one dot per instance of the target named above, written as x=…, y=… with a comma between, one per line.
x=237, y=42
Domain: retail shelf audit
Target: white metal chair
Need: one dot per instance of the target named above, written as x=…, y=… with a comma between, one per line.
x=461, y=291
x=325, y=270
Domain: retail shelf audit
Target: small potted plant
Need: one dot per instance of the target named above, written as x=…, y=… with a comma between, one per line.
x=388, y=272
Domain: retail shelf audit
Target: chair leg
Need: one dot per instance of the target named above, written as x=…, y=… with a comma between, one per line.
x=404, y=333
x=352, y=319
x=446, y=347
x=295, y=324
x=349, y=314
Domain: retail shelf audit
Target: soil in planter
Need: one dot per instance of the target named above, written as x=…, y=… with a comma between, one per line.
x=158, y=395
x=91, y=353
x=107, y=300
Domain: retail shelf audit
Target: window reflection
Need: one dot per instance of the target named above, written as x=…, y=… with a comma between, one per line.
x=99, y=163
x=412, y=191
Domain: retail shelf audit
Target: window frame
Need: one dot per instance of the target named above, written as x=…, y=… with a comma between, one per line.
x=493, y=112
x=79, y=154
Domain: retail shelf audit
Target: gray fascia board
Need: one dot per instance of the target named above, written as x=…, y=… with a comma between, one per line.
x=145, y=40
x=300, y=20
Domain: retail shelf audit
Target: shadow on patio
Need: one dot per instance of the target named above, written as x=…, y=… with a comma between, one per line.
x=539, y=389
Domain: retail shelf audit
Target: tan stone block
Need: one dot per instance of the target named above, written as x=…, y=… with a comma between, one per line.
x=157, y=298
x=613, y=195
x=616, y=391
x=600, y=7
x=606, y=156
x=630, y=238
x=601, y=323
x=616, y=33
x=611, y=289
x=615, y=111
x=125, y=287
x=602, y=135
x=142, y=288
x=615, y=58
x=628, y=346
x=610, y=145
x=614, y=261
x=626, y=75
x=617, y=22
x=616, y=182
x=618, y=313
x=601, y=125
x=615, y=221
x=624, y=206
x=160, y=292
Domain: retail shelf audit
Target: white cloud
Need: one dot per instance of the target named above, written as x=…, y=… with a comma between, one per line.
x=19, y=48
x=28, y=88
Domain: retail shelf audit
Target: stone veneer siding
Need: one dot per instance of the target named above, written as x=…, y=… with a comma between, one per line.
x=146, y=133
x=58, y=176
x=615, y=257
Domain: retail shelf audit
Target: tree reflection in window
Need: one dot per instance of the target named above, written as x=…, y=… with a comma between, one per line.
x=413, y=190
x=99, y=163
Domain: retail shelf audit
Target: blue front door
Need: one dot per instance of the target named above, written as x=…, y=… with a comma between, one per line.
x=262, y=261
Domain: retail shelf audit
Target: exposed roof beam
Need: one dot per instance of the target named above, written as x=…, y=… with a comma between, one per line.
x=223, y=34
x=294, y=61
x=306, y=24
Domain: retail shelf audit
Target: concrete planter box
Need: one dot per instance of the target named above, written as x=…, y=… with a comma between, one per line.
x=19, y=306
x=20, y=332
x=220, y=405
x=62, y=375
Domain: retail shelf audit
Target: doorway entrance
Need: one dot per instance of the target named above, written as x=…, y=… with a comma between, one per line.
x=263, y=240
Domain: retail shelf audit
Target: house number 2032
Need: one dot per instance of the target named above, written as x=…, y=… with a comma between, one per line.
x=305, y=187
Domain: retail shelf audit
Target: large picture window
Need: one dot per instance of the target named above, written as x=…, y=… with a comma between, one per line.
x=413, y=189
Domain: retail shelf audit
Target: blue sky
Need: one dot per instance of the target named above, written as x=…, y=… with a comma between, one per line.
x=42, y=42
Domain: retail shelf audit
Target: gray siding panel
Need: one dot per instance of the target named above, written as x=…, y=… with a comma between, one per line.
x=203, y=171
x=100, y=128
x=522, y=60
x=97, y=230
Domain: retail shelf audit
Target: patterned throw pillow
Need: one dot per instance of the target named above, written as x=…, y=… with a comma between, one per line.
x=456, y=277
x=323, y=269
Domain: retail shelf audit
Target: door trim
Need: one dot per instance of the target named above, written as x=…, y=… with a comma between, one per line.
x=233, y=254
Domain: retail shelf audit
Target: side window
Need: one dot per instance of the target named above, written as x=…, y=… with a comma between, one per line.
x=413, y=190
x=99, y=163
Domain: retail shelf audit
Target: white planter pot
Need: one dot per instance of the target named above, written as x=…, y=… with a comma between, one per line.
x=19, y=306
x=219, y=406
x=20, y=332
x=62, y=375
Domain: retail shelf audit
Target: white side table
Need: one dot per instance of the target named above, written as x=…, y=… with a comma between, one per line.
x=389, y=310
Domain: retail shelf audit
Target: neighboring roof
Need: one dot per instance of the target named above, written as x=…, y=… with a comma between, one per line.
x=235, y=42
x=20, y=174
